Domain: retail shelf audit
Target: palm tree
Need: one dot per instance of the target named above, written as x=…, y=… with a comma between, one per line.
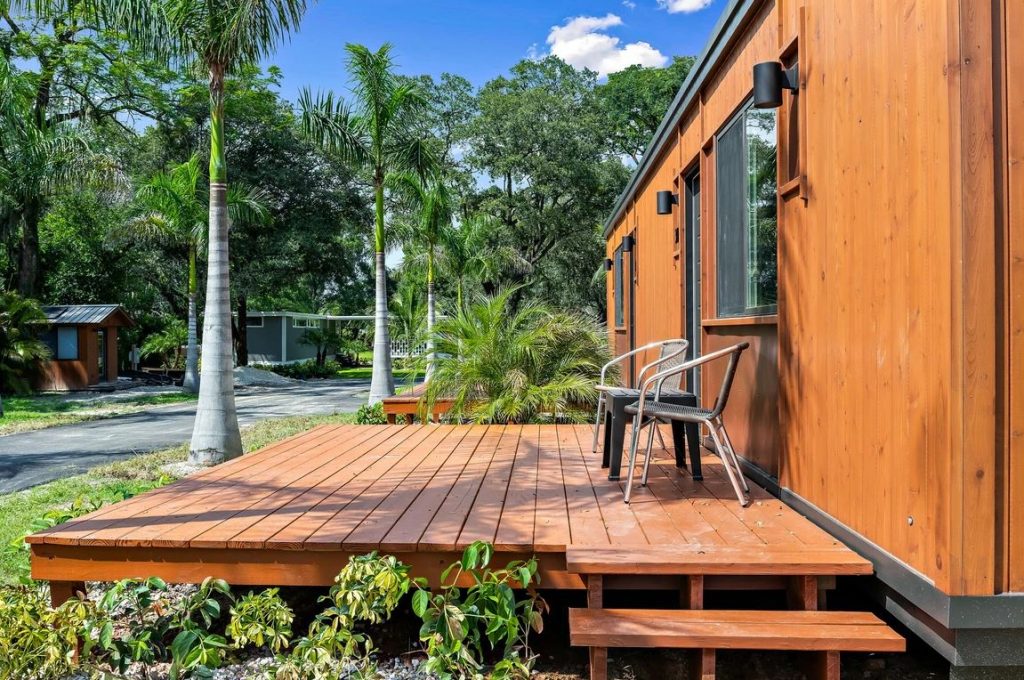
x=218, y=36
x=469, y=253
x=173, y=211
x=429, y=230
x=377, y=132
x=501, y=363
x=21, y=351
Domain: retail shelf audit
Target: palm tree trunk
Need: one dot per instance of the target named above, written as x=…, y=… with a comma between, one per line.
x=382, y=381
x=430, y=314
x=28, y=266
x=215, y=437
x=191, y=380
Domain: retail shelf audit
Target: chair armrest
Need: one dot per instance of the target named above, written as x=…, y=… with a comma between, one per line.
x=623, y=357
x=660, y=360
x=659, y=378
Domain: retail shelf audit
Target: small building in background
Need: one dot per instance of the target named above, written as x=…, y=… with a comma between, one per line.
x=83, y=345
x=279, y=337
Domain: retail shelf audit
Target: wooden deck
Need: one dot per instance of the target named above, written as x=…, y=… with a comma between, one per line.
x=292, y=513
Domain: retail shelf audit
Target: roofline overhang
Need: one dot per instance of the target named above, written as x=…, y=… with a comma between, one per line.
x=733, y=19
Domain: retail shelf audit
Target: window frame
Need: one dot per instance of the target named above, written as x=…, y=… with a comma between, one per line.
x=725, y=308
x=260, y=322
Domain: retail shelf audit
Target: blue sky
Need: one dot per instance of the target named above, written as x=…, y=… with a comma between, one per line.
x=481, y=39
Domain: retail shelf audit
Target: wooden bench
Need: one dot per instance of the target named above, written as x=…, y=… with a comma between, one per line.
x=825, y=633
x=822, y=634
x=409, y=404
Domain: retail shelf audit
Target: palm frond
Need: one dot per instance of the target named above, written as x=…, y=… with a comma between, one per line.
x=329, y=123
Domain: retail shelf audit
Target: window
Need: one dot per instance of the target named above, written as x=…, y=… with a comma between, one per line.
x=67, y=343
x=746, y=215
x=620, y=318
x=305, y=323
x=254, y=322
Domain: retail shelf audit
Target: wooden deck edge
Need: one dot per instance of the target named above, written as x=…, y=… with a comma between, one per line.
x=719, y=560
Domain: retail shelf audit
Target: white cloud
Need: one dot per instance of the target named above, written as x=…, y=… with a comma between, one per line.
x=684, y=6
x=629, y=4
x=583, y=43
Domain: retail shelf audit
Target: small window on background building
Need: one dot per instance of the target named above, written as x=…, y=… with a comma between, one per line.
x=746, y=215
x=620, y=317
x=254, y=321
x=67, y=343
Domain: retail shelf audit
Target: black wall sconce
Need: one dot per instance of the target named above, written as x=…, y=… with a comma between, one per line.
x=608, y=264
x=666, y=199
x=627, y=244
x=770, y=79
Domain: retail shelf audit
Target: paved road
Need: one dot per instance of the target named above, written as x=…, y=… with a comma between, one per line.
x=32, y=458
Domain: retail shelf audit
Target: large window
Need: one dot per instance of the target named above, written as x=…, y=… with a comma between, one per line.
x=62, y=342
x=620, y=318
x=746, y=215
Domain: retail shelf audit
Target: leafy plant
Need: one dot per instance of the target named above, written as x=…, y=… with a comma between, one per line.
x=371, y=415
x=501, y=364
x=462, y=628
x=261, y=619
x=21, y=351
x=167, y=344
x=307, y=370
x=37, y=641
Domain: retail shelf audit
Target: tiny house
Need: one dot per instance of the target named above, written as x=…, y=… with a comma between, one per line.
x=858, y=218
x=83, y=345
x=280, y=337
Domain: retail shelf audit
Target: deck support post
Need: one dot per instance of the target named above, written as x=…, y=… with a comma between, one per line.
x=804, y=594
x=691, y=592
x=62, y=591
x=691, y=596
x=598, y=655
x=702, y=664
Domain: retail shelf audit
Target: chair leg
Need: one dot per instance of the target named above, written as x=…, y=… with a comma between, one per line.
x=633, y=441
x=661, y=439
x=724, y=455
x=733, y=455
x=597, y=421
x=650, y=445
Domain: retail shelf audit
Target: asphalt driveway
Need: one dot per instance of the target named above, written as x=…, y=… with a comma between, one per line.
x=31, y=458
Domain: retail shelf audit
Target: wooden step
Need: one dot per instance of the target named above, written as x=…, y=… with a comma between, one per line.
x=692, y=559
x=754, y=630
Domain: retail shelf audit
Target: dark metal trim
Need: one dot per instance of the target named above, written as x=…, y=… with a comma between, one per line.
x=732, y=19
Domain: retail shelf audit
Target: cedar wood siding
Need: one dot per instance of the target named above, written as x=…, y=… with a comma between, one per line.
x=888, y=392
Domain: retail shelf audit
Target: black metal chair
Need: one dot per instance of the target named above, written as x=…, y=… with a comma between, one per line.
x=648, y=412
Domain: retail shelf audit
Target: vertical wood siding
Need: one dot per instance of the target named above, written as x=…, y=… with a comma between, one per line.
x=875, y=397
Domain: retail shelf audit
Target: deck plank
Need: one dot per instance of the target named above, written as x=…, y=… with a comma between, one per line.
x=620, y=519
x=370, y=533
x=372, y=489
x=482, y=521
x=262, y=520
x=515, y=528
x=330, y=498
x=442, y=533
x=72, y=531
x=152, y=516
x=586, y=523
x=551, y=520
x=405, y=535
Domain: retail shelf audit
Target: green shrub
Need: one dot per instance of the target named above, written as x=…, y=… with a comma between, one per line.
x=306, y=370
x=261, y=619
x=38, y=642
x=464, y=628
x=499, y=363
x=371, y=414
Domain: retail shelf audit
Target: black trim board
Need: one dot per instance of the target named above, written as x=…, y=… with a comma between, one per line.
x=729, y=24
x=954, y=612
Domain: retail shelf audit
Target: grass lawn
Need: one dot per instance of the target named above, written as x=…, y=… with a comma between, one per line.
x=365, y=373
x=109, y=483
x=38, y=411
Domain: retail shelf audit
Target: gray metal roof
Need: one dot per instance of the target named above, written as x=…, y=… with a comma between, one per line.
x=736, y=12
x=82, y=314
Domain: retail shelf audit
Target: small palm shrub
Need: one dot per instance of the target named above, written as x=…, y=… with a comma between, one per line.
x=500, y=364
x=21, y=351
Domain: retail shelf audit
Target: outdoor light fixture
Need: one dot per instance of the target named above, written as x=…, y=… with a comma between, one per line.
x=770, y=79
x=627, y=244
x=667, y=199
x=608, y=264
